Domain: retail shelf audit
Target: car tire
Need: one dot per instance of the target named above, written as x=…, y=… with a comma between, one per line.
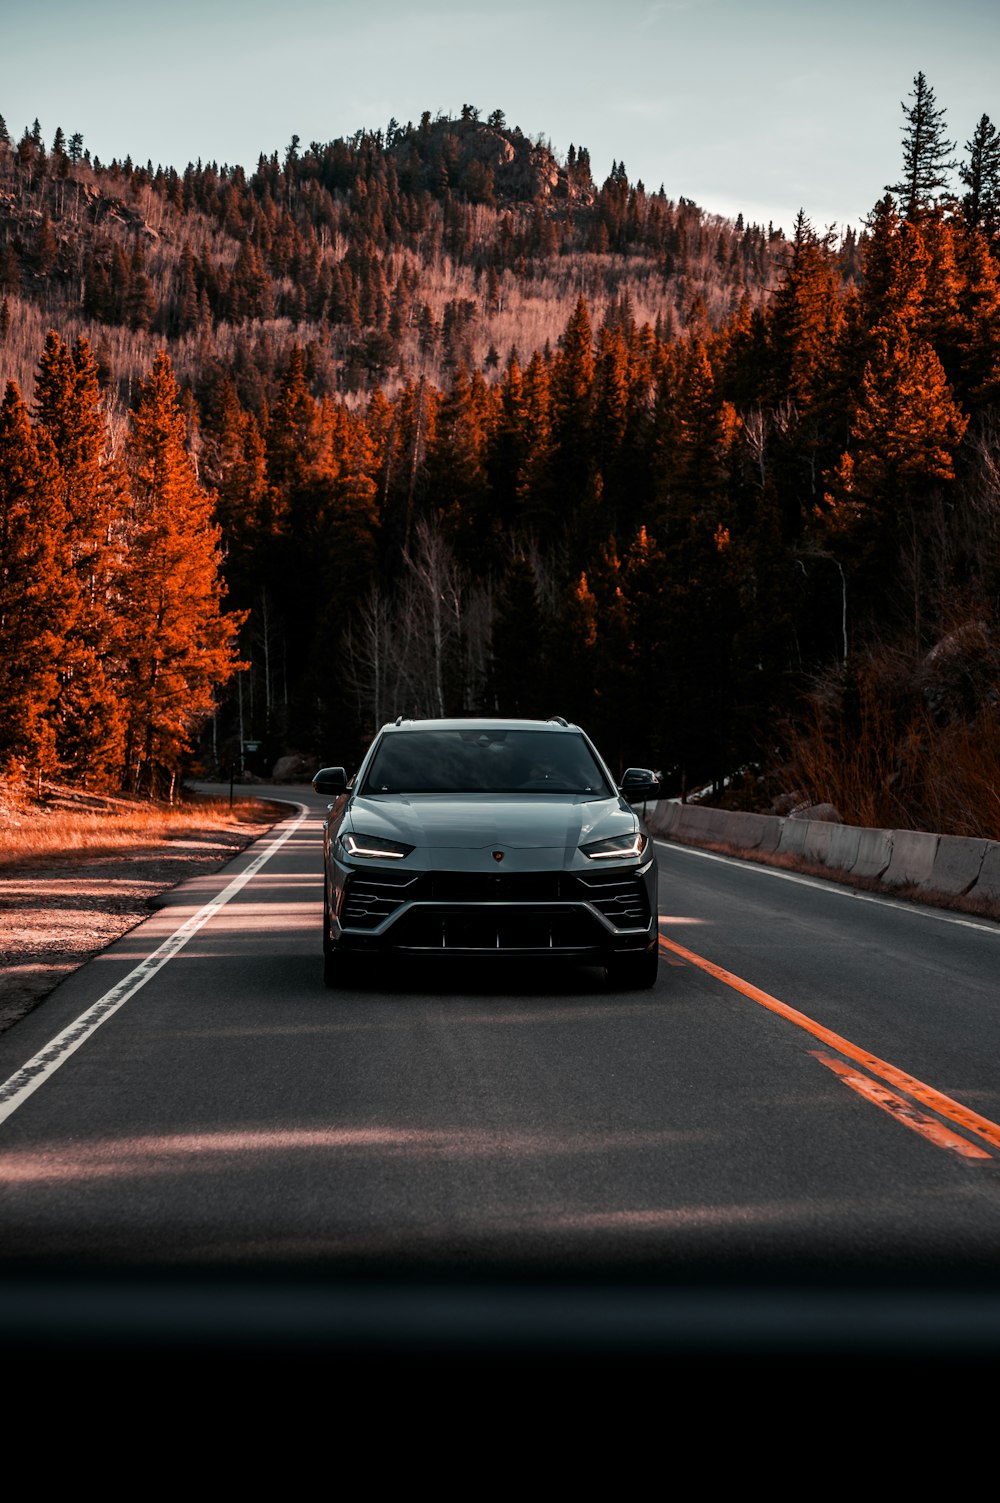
x=327, y=941
x=633, y=973
x=339, y=970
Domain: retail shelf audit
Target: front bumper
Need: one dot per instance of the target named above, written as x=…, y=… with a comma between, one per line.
x=579, y=914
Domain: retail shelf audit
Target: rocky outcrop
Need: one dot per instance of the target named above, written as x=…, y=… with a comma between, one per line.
x=488, y=161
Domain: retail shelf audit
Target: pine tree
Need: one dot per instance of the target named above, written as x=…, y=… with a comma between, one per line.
x=941, y=320
x=979, y=301
x=611, y=401
x=805, y=316
x=573, y=371
x=232, y=466
x=139, y=298
x=600, y=590
x=571, y=409
x=45, y=248
x=981, y=175
x=895, y=271
x=927, y=158
x=187, y=290
x=907, y=423
x=37, y=597
x=574, y=655
x=297, y=436
x=329, y=558
x=647, y=578
x=905, y=431
x=89, y=712
x=695, y=434
x=508, y=443
x=536, y=494
x=405, y=467
x=180, y=644
x=518, y=680
x=456, y=469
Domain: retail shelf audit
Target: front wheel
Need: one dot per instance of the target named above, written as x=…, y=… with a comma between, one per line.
x=338, y=967
x=634, y=972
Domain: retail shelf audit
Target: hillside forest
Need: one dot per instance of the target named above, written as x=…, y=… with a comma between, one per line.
x=427, y=421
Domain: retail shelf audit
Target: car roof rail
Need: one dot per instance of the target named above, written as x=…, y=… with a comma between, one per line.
x=557, y=720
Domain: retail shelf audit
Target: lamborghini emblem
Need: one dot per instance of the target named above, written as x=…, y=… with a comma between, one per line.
x=498, y=855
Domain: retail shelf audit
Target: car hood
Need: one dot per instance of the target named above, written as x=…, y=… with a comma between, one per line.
x=470, y=822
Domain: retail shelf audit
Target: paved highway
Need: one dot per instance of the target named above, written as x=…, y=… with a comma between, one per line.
x=810, y=1098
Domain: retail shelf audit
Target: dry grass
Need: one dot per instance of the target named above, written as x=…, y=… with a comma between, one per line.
x=895, y=741
x=63, y=827
x=78, y=871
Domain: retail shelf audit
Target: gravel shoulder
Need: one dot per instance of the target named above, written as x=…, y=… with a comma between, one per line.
x=55, y=916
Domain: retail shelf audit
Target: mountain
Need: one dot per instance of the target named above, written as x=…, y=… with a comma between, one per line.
x=388, y=253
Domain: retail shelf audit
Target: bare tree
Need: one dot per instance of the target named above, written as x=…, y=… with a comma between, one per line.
x=432, y=604
x=371, y=667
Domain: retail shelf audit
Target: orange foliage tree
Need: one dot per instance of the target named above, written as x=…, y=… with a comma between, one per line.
x=88, y=713
x=37, y=597
x=180, y=646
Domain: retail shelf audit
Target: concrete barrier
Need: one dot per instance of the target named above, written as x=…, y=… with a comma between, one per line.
x=770, y=833
x=749, y=832
x=754, y=832
x=845, y=847
x=947, y=864
x=912, y=860
x=661, y=817
x=696, y=822
x=874, y=853
x=957, y=864
x=793, y=836
x=818, y=840
x=988, y=882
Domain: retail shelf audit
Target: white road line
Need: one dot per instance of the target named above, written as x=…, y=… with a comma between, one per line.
x=25, y=1081
x=920, y=909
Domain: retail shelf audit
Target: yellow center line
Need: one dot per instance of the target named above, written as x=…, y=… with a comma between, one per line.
x=961, y=1115
x=902, y=1110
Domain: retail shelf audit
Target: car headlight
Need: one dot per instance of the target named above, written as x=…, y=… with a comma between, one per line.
x=357, y=844
x=618, y=848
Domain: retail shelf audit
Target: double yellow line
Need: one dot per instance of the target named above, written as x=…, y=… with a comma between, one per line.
x=897, y=1106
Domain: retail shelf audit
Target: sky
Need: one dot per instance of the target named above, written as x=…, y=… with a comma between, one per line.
x=759, y=107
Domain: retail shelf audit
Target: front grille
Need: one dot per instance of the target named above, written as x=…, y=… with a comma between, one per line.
x=498, y=929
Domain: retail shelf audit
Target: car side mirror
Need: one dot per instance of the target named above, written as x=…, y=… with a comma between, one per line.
x=639, y=782
x=330, y=780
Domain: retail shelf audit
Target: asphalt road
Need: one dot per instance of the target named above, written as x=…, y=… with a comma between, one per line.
x=515, y=1157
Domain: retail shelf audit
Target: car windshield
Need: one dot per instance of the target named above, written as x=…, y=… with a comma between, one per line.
x=484, y=761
